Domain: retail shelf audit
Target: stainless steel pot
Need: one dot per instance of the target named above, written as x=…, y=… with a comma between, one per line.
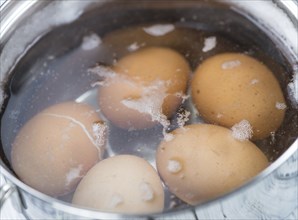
x=271, y=195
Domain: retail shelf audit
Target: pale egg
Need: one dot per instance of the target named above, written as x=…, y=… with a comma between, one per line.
x=56, y=147
x=232, y=87
x=203, y=161
x=121, y=184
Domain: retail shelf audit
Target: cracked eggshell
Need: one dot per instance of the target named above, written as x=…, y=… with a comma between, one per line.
x=56, y=148
x=204, y=161
x=121, y=184
x=231, y=87
x=111, y=97
x=145, y=66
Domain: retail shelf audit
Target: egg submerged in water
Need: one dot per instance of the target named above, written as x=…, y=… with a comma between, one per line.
x=155, y=80
x=231, y=87
x=204, y=161
x=56, y=147
x=121, y=184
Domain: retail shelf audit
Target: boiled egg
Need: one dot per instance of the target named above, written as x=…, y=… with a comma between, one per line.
x=121, y=184
x=55, y=148
x=156, y=76
x=203, y=161
x=231, y=87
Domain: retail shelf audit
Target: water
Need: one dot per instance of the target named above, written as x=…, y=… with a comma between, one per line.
x=56, y=68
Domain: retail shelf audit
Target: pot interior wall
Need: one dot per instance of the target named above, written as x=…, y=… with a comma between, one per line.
x=55, y=68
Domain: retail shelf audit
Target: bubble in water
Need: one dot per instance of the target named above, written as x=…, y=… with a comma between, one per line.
x=280, y=105
x=242, y=131
x=182, y=118
x=99, y=131
x=90, y=42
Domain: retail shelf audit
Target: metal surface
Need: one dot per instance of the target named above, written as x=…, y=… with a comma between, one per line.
x=271, y=195
x=5, y=192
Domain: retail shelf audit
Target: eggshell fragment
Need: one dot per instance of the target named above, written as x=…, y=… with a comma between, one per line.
x=55, y=148
x=231, y=87
x=121, y=184
x=144, y=68
x=204, y=161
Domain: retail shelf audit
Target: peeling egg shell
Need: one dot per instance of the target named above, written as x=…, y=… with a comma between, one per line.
x=204, y=161
x=56, y=148
x=122, y=184
x=231, y=87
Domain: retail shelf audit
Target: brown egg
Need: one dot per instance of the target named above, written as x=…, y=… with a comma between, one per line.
x=121, y=184
x=149, y=69
x=232, y=87
x=135, y=38
x=55, y=148
x=204, y=161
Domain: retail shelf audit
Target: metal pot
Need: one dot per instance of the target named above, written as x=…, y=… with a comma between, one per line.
x=270, y=195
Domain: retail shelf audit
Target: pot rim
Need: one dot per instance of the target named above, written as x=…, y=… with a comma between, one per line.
x=91, y=213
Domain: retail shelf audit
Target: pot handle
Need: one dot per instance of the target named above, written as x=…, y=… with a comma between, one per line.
x=5, y=192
